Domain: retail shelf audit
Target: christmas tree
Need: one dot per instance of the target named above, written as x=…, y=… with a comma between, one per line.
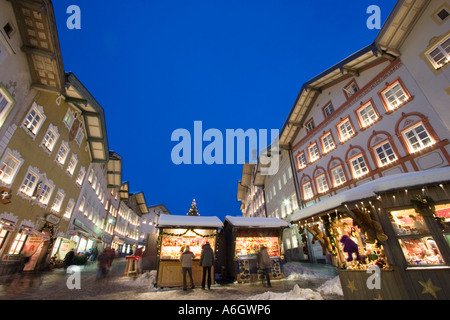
x=193, y=211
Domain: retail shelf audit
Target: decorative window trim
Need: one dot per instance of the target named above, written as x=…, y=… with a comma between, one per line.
x=389, y=86
x=304, y=191
x=377, y=156
x=341, y=137
x=4, y=93
x=310, y=155
x=299, y=166
x=43, y=202
x=438, y=45
x=40, y=110
x=66, y=145
x=55, y=206
x=70, y=171
x=319, y=186
x=69, y=209
x=348, y=93
x=408, y=142
x=16, y=155
x=80, y=177
x=325, y=107
x=326, y=134
x=352, y=168
x=363, y=106
x=53, y=128
x=333, y=178
x=29, y=194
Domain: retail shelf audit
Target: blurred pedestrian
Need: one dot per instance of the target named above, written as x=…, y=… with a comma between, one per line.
x=186, y=266
x=265, y=264
x=206, y=261
x=68, y=259
x=102, y=263
x=111, y=256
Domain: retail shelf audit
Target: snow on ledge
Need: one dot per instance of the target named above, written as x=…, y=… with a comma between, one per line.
x=173, y=221
x=255, y=222
x=370, y=189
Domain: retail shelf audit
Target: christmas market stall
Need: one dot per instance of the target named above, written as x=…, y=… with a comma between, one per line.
x=389, y=238
x=177, y=232
x=243, y=237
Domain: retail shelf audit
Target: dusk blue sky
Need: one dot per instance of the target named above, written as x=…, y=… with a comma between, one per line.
x=157, y=66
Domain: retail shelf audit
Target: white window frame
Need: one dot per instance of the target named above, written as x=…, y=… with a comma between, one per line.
x=8, y=102
x=313, y=152
x=322, y=184
x=61, y=156
x=338, y=175
x=367, y=115
x=29, y=125
x=81, y=175
x=346, y=131
x=416, y=135
x=302, y=164
x=69, y=209
x=28, y=186
x=328, y=110
x=72, y=165
x=46, y=192
x=328, y=143
x=80, y=135
x=445, y=55
x=383, y=156
x=359, y=170
x=69, y=118
x=307, y=189
x=351, y=89
x=57, y=202
x=15, y=157
x=398, y=98
x=46, y=144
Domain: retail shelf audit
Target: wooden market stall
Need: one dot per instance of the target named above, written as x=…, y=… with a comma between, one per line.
x=243, y=237
x=389, y=238
x=175, y=233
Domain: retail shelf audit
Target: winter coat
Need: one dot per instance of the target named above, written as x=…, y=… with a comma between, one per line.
x=264, y=259
x=186, y=259
x=207, y=256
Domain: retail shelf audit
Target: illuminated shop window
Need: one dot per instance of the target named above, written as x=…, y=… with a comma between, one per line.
x=415, y=239
x=18, y=243
x=3, y=235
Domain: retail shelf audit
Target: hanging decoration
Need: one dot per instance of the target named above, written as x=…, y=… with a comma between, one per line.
x=424, y=205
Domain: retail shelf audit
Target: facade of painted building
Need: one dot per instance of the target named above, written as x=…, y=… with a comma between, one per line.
x=251, y=196
x=381, y=111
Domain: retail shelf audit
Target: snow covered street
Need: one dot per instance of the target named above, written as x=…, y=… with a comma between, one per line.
x=302, y=282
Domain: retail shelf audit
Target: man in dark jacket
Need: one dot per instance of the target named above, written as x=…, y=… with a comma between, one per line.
x=265, y=263
x=207, y=261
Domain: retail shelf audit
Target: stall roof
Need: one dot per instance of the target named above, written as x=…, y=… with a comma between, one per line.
x=174, y=221
x=256, y=222
x=372, y=188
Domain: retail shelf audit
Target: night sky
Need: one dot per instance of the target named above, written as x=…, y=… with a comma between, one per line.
x=158, y=66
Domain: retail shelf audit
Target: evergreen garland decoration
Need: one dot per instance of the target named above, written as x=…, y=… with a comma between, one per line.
x=331, y=238
x=424, y=205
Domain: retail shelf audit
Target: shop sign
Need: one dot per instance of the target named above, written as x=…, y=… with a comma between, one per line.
x=52, y=219
x=256, y=233
x=5, y=195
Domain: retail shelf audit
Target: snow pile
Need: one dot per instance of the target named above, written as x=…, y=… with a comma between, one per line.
x=296, y=293
x=147, y=279
x=295, y=271
x=331, y=287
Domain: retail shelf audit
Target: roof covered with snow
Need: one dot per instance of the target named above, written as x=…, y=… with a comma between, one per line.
x=169, y=221
x=254, y=222
x=372, y=188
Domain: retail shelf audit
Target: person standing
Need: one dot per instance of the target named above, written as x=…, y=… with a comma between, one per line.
x=265, y=263
x=102, y=263
x=186, y=265
x=206, y=261
x=68, y=259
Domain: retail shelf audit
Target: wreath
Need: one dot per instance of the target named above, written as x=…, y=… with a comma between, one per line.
x=424, y=205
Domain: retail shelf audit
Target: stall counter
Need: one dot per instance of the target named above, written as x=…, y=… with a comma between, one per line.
x=170, y=274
